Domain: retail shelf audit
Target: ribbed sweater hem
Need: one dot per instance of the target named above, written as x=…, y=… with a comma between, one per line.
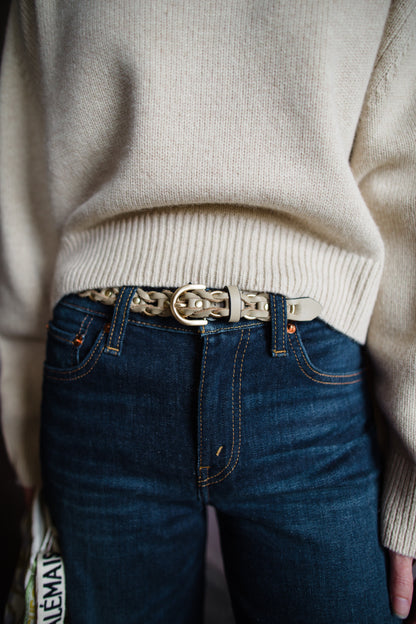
x=399, y=506
x=215, y=247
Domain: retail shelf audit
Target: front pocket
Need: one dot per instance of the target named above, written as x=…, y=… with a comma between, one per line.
x=325, y=355
x=82, y=369
x=75, y=343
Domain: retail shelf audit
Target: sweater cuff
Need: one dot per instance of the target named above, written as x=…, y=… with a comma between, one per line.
x=21, y=389
x=399, y=505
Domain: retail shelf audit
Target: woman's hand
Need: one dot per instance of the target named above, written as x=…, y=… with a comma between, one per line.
x=401, y=586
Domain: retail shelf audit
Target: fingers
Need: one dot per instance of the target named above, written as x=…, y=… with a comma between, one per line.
x=401, y=584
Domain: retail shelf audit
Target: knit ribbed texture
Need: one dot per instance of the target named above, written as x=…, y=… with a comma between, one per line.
x=270, y=145
x=217, y=246
x=399, y=507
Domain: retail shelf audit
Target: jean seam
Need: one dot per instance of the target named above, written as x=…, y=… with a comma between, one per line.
x=61, y=375
x=336, y=375
x=88, y=326
x=93, y=312
x=82, y=323
x=113, y=323
x=79, y=331
x=58, y=337
x=239, y=421
x=226, y=329
x=82, y=308
x=283, y=302
x=274, y=325
x=126, y=310
x=200, y=409
x=116, y=313
x=329, y=383
x=145, y=324
x=233, y=416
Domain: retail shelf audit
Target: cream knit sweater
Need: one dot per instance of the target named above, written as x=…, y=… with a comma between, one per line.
x=262, y=143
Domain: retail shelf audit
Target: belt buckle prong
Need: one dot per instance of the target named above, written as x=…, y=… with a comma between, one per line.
x=175, y=303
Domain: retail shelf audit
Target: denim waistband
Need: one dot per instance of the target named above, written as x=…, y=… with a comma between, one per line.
x=119, y=315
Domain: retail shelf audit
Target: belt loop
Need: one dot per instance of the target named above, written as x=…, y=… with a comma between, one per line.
x=119, y=320
x=278, y=324
x=234, y=297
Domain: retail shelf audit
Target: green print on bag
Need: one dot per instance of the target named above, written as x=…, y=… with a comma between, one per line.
x=38, y=592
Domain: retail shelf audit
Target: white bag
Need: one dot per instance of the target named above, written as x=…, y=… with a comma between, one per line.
x=38, y=590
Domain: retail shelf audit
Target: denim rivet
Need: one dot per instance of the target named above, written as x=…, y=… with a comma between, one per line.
x=291, y=328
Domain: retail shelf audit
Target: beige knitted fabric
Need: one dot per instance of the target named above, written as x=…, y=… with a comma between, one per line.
x=268, y=144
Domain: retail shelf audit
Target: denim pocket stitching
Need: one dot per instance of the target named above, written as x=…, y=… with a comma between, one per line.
x=352, y=378
x=53, y=332
x=315, y=370
x=67, y=375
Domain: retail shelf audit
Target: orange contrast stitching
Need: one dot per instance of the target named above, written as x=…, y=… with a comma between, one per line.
x=126, y=307
x=225, y=329
x=179, y=329
x=283, y=300
x=83, y=309
x=239, y=420
x=274, y=323
x=88, y=326
x=327, y=383
x=82, y=323
x=71, y=342
x=58, y=337
x=146, y=324
x=64, y=373
x=232, y=411
x=200, y=403
x=114, y=321
x=340, y=375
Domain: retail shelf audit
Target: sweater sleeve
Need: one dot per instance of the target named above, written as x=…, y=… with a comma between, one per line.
x=384, y=162
x=27, y=246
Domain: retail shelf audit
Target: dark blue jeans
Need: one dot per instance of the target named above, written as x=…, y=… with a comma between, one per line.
x=145, y=421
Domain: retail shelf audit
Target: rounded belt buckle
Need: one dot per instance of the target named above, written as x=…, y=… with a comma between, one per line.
x=182, y=319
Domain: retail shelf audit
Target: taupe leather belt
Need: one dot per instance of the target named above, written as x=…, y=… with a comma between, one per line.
x=193, y=304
